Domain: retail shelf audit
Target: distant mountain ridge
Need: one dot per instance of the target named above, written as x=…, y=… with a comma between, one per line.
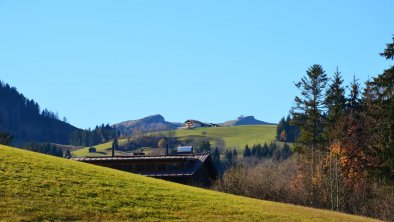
x=245, y=120
x=157, y=122
x=144, y=125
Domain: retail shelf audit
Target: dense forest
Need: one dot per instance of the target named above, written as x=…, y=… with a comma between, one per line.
x=343, y=143
x=25, y=121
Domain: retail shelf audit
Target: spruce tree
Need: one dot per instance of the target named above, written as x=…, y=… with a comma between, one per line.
x=335, y=103
x=308, y=114
x=308, y=111
x=254, y=150
x=216, y=159
x=383, y=90
x=259, y=152
x=247, y=151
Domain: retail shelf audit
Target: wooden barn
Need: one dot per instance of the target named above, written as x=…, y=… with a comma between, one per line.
x=192, y=169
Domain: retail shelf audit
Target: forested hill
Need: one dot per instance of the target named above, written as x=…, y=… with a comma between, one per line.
x=23, y=118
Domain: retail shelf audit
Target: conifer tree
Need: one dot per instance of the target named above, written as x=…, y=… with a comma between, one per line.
x=247, y=151
x=216, y=159
x=308, y=111
x=229, y=157
x=335, y=103
x=383, y=91
x=308, y=115
x=254, y=150
x=235, y=155
x=265, y=151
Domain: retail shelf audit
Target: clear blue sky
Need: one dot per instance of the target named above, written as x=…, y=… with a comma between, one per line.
x=109, y=61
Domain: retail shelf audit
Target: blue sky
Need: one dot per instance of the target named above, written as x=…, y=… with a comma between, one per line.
x=109, y=61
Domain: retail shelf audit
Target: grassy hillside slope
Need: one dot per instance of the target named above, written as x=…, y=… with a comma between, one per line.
x=233, y=136
x=39, y=187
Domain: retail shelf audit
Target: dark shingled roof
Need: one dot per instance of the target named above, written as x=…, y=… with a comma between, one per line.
x=201, y=157
x=200, y=160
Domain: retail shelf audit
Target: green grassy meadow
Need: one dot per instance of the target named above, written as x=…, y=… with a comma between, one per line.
x=37, y=187
x=233, y=136
x=102, y=149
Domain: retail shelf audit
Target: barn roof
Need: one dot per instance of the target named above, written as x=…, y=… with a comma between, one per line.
x=199, y=161
x=201, y=157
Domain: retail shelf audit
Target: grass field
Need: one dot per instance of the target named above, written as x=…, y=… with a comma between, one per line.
x=36, y=187
x=101, y=149
x=104, y=149
x=233, y=136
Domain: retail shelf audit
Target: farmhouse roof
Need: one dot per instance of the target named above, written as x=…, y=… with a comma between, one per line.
x=198, y=161
x=192, y=120
x=201, y=157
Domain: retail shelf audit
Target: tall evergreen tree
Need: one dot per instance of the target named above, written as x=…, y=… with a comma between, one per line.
x=383, y=90
x=308, y=111
x=335, y=103
x=308, y=115
x=354, y=101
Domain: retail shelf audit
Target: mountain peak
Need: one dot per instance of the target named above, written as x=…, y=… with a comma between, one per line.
x=153, y=118
x=245, y=120
x=147, y=124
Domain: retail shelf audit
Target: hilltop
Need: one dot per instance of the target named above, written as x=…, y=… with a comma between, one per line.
x=38, y=187
x=245, y=120
x=144, y=125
